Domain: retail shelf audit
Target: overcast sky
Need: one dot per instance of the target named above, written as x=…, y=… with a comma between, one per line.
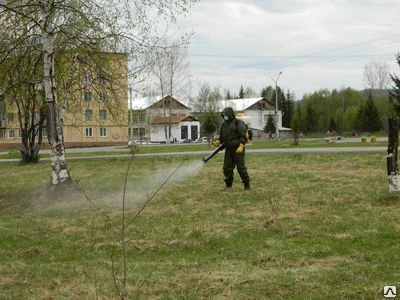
x=315, y=43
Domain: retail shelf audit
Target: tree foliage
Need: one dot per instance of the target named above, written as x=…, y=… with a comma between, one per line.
x=81, y=27
x=270, y=125
x=207, y=107
x=21, y=82
x=368, y=118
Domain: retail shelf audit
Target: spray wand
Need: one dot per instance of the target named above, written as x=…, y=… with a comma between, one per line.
x=212, y=154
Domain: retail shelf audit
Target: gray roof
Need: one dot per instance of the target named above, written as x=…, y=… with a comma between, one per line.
x=240, y=104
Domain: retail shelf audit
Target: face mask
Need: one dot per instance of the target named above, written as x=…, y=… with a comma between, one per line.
x=226, y=118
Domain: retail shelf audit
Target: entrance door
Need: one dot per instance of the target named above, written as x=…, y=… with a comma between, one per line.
x=194, y=131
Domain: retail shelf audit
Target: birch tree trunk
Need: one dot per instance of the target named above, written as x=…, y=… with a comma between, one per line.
x=391, y=159
x=55, y=117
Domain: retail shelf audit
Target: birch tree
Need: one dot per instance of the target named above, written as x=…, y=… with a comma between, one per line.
x=83, y=27
x=20, y=80
x=207, y=107
x=376, y=75
x=171, y=70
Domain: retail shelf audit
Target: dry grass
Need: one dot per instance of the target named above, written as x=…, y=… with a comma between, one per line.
x=313, y=226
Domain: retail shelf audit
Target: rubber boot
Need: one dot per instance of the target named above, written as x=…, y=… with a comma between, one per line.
x=247, y=186
x=228, y=185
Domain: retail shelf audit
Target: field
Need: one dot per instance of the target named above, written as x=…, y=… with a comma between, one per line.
x=314, y=226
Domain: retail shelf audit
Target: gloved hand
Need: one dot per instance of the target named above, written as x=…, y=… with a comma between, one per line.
x=240, y=149
x=216, y=143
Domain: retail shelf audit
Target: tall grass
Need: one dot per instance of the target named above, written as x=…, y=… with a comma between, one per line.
x=314, y=226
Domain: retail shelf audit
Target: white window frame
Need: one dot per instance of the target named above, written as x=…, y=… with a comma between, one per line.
x=88, y=79
x=88, y=132
x=11, y=134
x=103, y=96
x=103, y=131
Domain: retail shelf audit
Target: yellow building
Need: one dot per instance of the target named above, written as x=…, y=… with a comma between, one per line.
x=95, y=91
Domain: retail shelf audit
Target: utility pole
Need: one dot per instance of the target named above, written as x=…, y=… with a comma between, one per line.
x=276, y=103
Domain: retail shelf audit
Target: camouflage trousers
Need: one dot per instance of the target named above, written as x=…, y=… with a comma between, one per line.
x=232, y=160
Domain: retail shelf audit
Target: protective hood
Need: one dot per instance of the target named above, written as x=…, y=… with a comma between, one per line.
x=228, y=111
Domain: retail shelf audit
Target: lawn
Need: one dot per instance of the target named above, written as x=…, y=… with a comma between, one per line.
x=163, y=148
x=314, y=226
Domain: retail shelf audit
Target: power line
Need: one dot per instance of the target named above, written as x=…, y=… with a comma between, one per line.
x=323, y=56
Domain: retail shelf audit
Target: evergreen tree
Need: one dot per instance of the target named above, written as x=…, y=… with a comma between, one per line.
x=368, y=118
x=270, y=126
x=241, y=92
x=228, y=95
x=287, y=109
x=310, y=119
x=372, y=117
x=268, y=93
x=332, y=124
x=360, y=122
x=296, y=124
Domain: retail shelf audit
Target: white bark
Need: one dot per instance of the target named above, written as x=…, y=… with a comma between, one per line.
x=394, y=183
x=55, y=117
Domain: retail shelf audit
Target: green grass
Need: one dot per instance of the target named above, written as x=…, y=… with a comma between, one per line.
x=256, y=144
x=314, y=226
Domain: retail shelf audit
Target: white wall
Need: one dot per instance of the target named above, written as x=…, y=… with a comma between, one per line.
x=257, y=119
x=158, y=132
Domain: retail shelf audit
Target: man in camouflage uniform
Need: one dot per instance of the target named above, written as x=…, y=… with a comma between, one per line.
x=233, y=136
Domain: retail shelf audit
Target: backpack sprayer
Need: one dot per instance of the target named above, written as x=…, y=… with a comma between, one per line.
x=249, y=137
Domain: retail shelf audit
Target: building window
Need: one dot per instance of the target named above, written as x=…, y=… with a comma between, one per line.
x=103, y=131
x=88, y=79
x=184, y=132
x=103, y=114
x=139, y=132
x=102, y=79
x=89, y=132
x=142, y=118
x=44, y=132
x=11, y=134
x=11, y=117
x=19, y=133
x=88, y=114
x=88, y=60
x=103, y=96
x=88, y=96
x=36, y=117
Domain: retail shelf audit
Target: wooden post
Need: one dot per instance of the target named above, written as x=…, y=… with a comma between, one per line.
x=391, y=159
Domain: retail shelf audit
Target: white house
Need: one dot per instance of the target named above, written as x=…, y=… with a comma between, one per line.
x=255, y=113
x=151, y=117
x=182, y=128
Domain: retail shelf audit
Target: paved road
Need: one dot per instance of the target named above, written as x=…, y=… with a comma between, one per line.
x=201, y=154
